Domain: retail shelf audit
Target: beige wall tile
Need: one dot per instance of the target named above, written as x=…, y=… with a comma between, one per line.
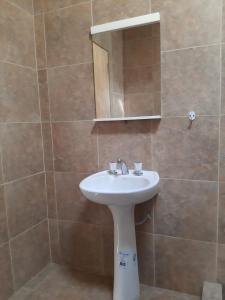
x=39, y=26
x=187, y=209
x=109, y=10
x=5, y=273
x=81, y=246
x=26, y=203
x=47, y=143
x=222, y=148
x=18, y=94
x=145, y=258
x=22, y=150
x=72, y=205
x=17, y=39
x=30, y=253
x=183, y=265
x=188, y=23
x=75, y=147
x=48, y=5
x=43, y=95
x=129, y=141
x=67, y=35
x=3, y=220
x=221, y=264
x=223, y=80
x=52, y=207
x=191, y=81
x=71, y=92
x=186, y=152
x=221, y=224
x=25, y=4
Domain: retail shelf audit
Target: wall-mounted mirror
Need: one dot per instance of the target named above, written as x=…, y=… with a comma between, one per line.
x=127, y=71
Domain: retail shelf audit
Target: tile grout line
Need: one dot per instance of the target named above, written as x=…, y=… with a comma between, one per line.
x=189, y=180
x=153, y=224
x=28, y=229
x=20, y=8
x=54, y=178
x=219, y=142
x=97, y=139
x=163, y=178
x=66, y=66
x=4, y=244
x=32, y=7
x=15, y=123
x=17, y=65
x=184, y=239
x=62, y=8
x=45, y=52
x=52, y=153
x=7, y=224
x=154, y=249
x=92, y=13
x=52, y=147
x=101, y=228
x=42, y=135
x=193, y=47
x=21, y=178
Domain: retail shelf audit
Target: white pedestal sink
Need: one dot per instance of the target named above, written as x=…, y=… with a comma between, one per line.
x=121, y=193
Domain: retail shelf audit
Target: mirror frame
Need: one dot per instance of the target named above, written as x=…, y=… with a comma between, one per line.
x=125, y=24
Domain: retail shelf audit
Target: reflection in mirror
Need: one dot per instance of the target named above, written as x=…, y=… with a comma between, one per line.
x=127, y=72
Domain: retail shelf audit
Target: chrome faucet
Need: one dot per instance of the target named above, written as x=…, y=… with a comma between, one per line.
x=121, y=165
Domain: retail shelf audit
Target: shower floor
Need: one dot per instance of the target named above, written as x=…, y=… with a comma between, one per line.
x=58, y=283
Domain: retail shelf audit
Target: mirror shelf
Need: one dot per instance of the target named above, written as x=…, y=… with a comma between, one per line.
x=157, y=117
x=126, y=23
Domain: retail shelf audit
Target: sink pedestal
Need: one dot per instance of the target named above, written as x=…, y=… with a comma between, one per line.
x=126, y=278
x=121, y=193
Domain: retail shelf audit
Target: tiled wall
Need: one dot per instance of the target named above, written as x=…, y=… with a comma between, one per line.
x=184, y=243
x=24, y=241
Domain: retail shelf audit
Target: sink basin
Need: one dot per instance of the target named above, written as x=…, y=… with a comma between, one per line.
x=107, y=189
x=121, y=193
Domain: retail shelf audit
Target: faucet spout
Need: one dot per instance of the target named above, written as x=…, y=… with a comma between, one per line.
x=121, y=165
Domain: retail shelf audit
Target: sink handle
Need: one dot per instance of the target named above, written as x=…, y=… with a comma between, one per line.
x=138, y=168
x=113, y=168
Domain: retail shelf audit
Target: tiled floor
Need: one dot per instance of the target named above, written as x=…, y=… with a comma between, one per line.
x=59, y=283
